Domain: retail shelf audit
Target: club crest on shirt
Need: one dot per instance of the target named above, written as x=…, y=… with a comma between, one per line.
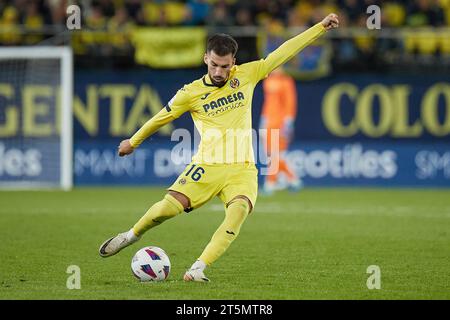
x=234, y=83
x=182, y=181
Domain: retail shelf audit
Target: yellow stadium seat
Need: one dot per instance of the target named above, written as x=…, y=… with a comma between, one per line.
x=329, y=7
x=10, y=26
x=444, y=42
x=97, y=23
x=151, y=12
x=364, y=42
x=263, y=18
x=423, y=41
x=276, y=27
x=10, y=14
x=444, y=3
x=118, y=3
x=409, y=41
x=10, y=34
x=175, y=12
x=394, y=13
x=33, y=23
x=304, y=10
x=427, y=41
x=447, y=15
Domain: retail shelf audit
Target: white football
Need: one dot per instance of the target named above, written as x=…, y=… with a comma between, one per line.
x=150, y=264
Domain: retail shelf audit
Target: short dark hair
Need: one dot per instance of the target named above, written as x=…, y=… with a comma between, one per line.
x=222, y=44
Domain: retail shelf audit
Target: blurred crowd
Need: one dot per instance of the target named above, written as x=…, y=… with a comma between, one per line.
x=101, y=14
x=35, y=21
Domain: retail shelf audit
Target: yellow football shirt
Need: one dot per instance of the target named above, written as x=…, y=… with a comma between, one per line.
x=222, y=115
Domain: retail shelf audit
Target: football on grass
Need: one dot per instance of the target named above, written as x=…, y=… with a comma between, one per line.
x=150, y=264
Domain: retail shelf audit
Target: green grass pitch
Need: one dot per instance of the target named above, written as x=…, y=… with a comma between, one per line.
x=316, y=244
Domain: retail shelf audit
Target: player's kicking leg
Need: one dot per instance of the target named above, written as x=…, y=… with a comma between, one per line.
x=235, y=215
x=173, y=204
x=113, y=245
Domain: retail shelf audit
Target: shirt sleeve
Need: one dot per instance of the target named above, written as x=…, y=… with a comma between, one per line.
x=178, y=105
x=261, y=68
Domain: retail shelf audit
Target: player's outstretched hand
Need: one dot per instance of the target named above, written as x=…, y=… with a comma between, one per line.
x=331, y=21
x=125, y=148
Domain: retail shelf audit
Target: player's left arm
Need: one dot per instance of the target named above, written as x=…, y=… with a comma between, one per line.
x=293, y=46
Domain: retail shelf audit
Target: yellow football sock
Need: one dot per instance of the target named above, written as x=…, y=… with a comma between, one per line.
x=165, y=209
x=235, y=215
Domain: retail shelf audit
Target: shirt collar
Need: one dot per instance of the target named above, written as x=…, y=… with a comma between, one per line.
x=207, y=80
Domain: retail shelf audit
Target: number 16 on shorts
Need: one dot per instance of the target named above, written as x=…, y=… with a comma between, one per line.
x=195, y=174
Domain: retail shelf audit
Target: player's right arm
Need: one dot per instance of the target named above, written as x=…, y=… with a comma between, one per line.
x=178, y=105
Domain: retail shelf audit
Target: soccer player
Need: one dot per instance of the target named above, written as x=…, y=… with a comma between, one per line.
x=219, y=101
x=279, y=112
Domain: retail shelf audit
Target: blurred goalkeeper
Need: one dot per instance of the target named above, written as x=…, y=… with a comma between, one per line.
x=219, y=102
x=279, y=112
